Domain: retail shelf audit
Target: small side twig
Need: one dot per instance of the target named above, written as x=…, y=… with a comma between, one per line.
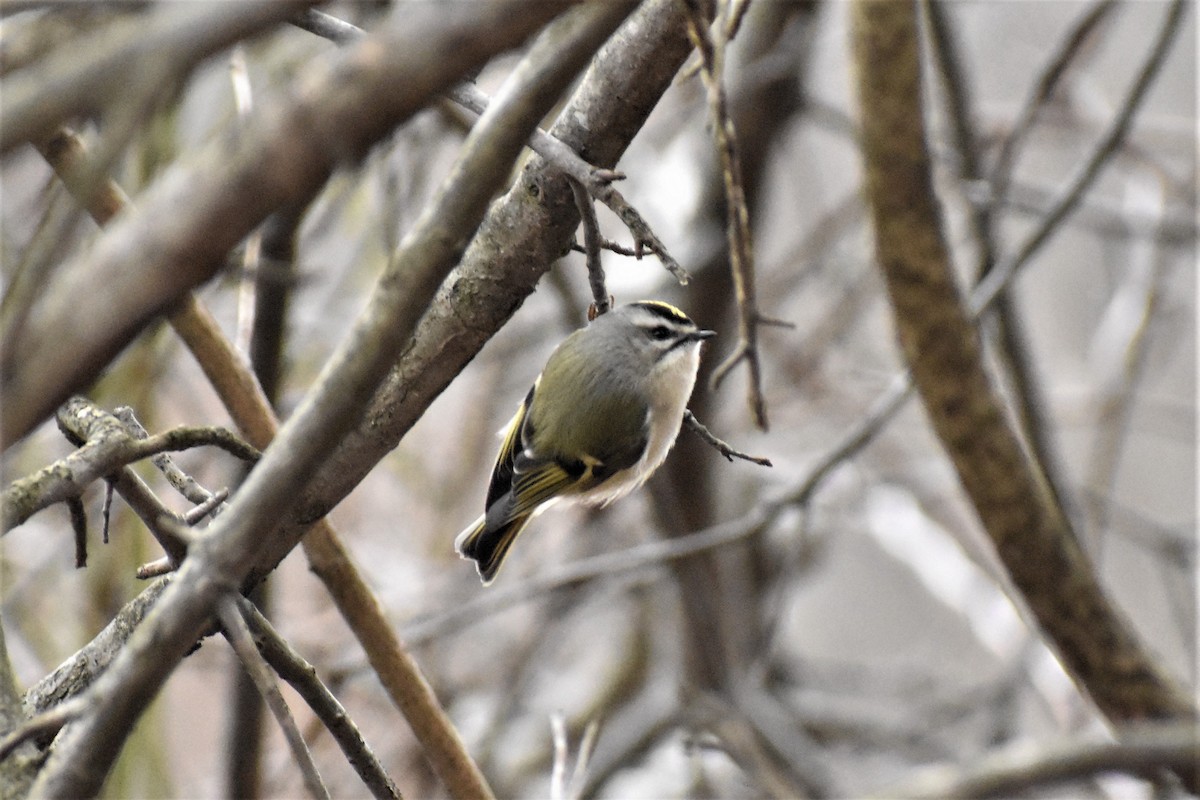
x=42, y=726
x=990, y=286
x=591, y=246
x=104, y=447
x=741, y=257
x=722, y=447
x=207, y=506
x=238, y=634
x=185, y=484
x=106, y=509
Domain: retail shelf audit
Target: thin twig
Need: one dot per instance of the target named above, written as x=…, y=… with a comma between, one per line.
x=563, y=787
x=587, y=746
x=302, y=676
x=562, y=752
x=1073, y=44
x=598, y=182
x=722, y=447
x=741, y=255
x=41, y=726
x=591, y=249
x=238, y=634
x=992, y=285
x=106, y=510
x=185, y=484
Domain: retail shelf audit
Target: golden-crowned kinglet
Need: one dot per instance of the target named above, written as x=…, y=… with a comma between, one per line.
x=597, y=422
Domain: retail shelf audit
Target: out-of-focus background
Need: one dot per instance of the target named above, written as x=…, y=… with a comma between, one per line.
x=874, y=619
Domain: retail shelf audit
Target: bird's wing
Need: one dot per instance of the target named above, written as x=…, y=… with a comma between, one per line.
x=502, y=472
x=537, y=482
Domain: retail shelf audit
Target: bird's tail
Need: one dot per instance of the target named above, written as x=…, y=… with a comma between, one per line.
x=488, y=546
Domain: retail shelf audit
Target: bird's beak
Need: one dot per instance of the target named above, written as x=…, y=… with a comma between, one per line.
x=700, y=336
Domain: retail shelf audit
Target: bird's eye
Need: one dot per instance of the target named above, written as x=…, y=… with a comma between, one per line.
x=660, y=333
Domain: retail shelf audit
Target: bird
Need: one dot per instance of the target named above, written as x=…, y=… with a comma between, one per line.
x=598, y=421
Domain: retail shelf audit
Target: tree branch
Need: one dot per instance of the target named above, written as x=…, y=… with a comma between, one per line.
x=302, y=676
x=140, y=267
x=238, y=634
x=72, y=83
x=1142, y=750
x=221, y=561
x=1098, y=646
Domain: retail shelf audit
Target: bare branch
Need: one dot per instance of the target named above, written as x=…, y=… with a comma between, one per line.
x=591, y=249
x=304, y=442
x=107, y=448
x=992, y=285
x=238, y=634
x=37, y=100
x=302, y=676
x=598, y=182
x=247, y=404
x=42, y=726
x=1143, y=750
x=1097, y=644
x=341, y=107
x=722, y=447
x=737, y=219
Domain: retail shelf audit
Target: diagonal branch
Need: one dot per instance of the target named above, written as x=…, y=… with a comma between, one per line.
x=222, y=560
x=140, y=267
x=40, y=98
x=238, y=633
x=598, y=182
x=1097, y=644
x=302, y=677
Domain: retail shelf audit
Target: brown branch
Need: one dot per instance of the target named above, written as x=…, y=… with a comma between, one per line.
x=737, y=217
x=525, y=232
x=597, y=181
x=139, y=267
x=1141, y=750
x=246, y=402
x=238, y=634
x=302, y=676
x=88, y=747
x=1097, y=644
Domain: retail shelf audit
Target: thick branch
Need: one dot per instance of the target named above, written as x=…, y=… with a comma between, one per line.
x=99, y=301
x=1095, y=641
x=221, y=561
x=38, y=99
